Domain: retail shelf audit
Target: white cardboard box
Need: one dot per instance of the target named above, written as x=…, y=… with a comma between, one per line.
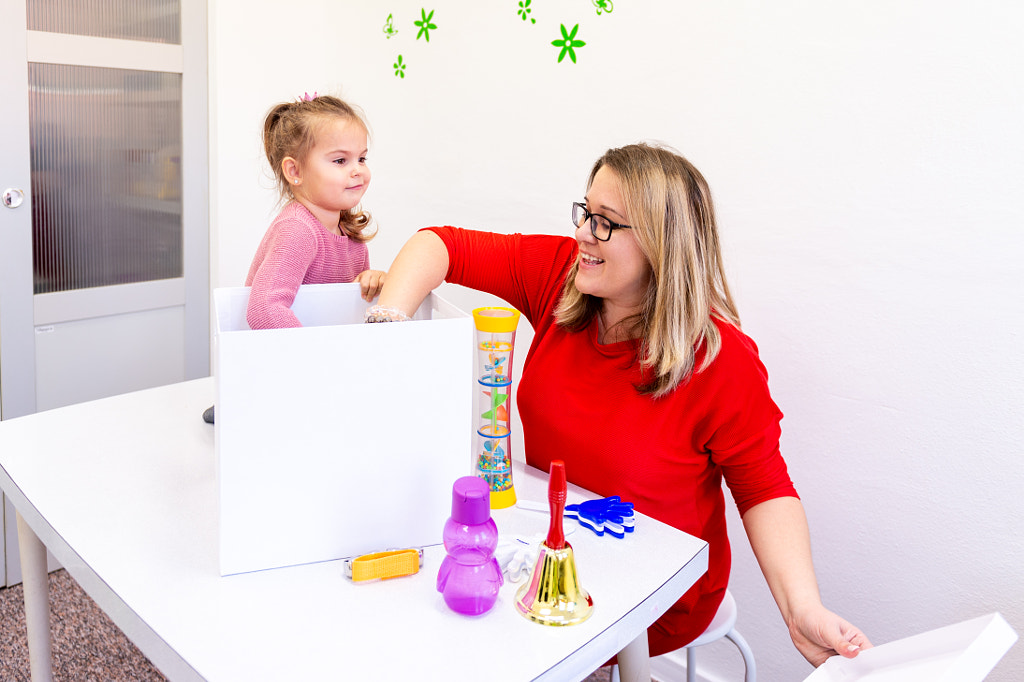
x=964, y=652
x=338, y=438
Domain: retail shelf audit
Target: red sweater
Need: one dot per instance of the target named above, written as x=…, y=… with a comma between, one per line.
x=297, y=250
x=577, y=402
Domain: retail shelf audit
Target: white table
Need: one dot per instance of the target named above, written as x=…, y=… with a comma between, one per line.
x=123, y=492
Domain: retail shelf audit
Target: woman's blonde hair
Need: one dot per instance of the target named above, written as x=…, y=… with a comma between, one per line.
x=668, y=205
x=290, y=129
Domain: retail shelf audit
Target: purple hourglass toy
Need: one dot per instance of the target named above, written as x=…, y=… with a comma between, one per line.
x=469, y=577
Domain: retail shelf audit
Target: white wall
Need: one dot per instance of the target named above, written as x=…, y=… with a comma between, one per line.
x=867, y=159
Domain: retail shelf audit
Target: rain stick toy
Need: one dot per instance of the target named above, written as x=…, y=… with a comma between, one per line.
x=495, y=338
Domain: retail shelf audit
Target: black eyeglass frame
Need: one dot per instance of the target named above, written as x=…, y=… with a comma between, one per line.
x=587, y=215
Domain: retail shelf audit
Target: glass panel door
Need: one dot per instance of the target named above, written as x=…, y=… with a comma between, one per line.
x=152, y=20
x=106, y=176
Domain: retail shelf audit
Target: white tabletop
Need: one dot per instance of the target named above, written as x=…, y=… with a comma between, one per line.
x=123, y=492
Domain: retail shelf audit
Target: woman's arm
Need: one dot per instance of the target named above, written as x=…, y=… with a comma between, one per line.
x=418, y=269
x=778, y=534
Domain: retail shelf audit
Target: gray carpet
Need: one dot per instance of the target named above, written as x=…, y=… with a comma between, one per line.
x=87, y=646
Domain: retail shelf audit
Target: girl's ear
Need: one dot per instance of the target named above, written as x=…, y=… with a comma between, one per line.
x=290, y=169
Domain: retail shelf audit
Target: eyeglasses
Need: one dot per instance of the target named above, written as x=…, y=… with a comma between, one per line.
x=600, y=226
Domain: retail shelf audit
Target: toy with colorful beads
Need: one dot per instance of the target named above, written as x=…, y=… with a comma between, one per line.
x=495, y=339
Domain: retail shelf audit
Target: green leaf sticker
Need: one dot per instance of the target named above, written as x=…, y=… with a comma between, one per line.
x=399, y=67
x=425, y=25
x=568, y=43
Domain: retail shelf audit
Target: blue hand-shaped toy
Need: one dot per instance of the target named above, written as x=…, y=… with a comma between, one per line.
x=609, y=514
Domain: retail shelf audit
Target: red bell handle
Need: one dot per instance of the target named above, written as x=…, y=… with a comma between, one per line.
x=556, y=502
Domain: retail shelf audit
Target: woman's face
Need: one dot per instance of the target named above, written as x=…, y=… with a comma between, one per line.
x=616, y=270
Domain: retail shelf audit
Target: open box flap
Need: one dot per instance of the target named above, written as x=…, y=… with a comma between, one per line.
x=964, y=652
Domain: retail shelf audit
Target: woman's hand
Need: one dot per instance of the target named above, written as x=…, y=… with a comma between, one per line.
x=370, y=283
x=818, y=634
x=778, y=534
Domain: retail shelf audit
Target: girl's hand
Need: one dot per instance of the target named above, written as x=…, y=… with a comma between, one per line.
x=370, y=283
x=818, y=634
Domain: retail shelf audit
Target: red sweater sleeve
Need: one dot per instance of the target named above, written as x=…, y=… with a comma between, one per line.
x=742, y=430
x=517, y=268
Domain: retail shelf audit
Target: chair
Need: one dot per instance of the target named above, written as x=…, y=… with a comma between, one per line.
x=722, y=625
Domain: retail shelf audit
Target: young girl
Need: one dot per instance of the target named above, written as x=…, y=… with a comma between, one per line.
x=317, y=150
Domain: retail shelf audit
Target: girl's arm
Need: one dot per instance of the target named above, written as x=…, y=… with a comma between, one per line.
x=275, y=284
x=419, y=268
x=778, y=534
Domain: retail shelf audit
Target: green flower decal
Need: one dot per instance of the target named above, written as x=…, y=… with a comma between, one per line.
x=603, y=5
x=399, y=67
x=425, y=24
x=524, y=11
x=568, y=43
x=389, y=28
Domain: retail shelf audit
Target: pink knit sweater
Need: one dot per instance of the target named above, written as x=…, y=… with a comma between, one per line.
x=297, y=250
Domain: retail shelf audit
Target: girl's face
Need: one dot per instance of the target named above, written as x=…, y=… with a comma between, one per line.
x=616, y=270
x=334, y=175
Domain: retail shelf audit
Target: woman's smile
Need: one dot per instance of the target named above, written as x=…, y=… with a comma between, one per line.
x=615, y=270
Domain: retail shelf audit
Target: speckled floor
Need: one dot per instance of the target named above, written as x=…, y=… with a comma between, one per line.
x=87, y=646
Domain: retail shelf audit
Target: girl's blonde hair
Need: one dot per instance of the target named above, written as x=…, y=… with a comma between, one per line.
x=290, y=129
x=668, y=205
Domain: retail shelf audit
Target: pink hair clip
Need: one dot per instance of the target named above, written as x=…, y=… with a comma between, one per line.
x=307, y=98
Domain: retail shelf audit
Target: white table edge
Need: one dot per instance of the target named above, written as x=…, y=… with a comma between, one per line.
x=156, y=649
x=575, y=664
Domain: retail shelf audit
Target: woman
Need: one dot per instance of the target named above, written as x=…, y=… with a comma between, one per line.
x=640, y=379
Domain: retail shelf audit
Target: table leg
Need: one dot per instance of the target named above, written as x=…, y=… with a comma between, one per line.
x=635, y=660
x=37, y=602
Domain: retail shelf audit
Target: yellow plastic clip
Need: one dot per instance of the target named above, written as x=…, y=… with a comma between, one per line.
x=384, y=565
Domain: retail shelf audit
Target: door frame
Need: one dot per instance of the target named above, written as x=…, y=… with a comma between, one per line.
x=17, y=347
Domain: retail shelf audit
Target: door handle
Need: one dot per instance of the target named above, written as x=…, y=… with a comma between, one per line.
x=12, y=197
